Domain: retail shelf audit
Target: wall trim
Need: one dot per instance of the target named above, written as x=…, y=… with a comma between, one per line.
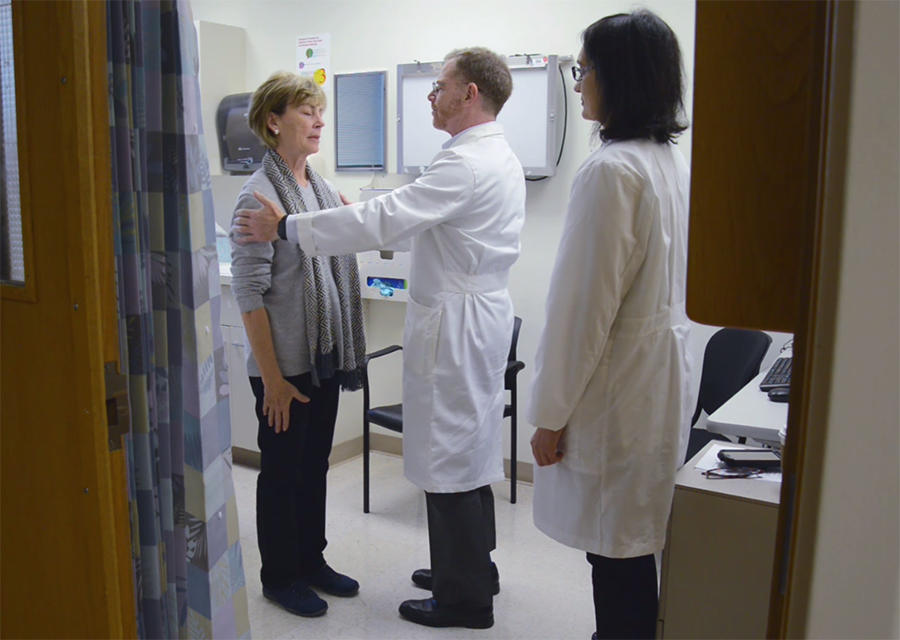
x=245, y=457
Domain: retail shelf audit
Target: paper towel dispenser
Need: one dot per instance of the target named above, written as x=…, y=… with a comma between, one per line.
x=241, y=151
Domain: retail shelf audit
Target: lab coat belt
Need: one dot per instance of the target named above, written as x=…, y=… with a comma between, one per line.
x=474, y=282
x=645, y=325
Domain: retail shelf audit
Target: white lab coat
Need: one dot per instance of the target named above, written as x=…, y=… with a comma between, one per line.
x=612, y=363
x=461, y=221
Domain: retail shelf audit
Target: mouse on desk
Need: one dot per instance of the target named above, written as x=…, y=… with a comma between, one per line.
x=780, y=394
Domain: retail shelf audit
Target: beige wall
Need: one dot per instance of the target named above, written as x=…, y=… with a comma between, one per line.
x=855, y=576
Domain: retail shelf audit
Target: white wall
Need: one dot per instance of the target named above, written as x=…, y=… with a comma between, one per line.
x=855, y=567
x=223, y=78
x=371, y=35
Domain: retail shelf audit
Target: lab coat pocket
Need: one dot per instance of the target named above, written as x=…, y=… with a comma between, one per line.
x=420, y=338
x=584, y=446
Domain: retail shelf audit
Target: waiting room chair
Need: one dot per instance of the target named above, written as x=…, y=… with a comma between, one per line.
x=731, y=360
x=391, y=416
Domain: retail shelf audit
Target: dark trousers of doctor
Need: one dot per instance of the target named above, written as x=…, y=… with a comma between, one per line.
x=625, y=596
x=461, y=536
x=291, y=486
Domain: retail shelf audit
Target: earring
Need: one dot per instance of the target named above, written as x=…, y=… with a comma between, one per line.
x=275, y=131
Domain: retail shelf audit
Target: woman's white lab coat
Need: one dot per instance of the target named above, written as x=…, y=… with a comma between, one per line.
x=461, y=221
x=612, y=363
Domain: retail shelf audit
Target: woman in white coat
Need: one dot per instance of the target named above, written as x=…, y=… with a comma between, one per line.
x=611, y=393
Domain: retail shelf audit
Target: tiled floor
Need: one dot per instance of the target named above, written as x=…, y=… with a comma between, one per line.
x=545, y=588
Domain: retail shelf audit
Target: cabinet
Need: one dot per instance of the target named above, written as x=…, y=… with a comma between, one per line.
x=759, y=81
x=241, y=401
x=717, y=565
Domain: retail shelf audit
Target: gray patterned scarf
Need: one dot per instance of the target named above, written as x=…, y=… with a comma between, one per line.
x=345, y=272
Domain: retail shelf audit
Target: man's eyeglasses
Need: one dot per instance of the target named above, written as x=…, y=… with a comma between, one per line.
x=435, y=87
x=578, y=72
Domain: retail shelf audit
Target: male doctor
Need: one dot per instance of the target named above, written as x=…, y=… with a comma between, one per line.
x=461, y=221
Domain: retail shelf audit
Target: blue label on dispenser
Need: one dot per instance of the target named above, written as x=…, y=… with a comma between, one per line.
x=393, y=283
x=386, y=286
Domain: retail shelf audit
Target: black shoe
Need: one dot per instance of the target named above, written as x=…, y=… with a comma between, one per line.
x=330, y=581
x=299, y=599
x=428, y=613
x=422, y=579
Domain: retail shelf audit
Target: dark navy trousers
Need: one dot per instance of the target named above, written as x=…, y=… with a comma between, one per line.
x=291, y=486
x=625, y=596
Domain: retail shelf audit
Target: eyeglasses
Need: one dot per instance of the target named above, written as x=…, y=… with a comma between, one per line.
x=723, y=473
x=578, y=72
x=435, y=87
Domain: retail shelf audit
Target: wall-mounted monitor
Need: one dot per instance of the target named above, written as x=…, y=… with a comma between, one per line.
x=530, y=117
x=360, y=121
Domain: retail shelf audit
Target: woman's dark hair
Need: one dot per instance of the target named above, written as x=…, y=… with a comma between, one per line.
x=637, y=63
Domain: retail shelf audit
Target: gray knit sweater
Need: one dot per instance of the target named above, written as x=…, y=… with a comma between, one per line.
x=270, y=274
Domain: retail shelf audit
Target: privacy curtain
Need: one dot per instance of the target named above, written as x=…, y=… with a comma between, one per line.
x=189, y=576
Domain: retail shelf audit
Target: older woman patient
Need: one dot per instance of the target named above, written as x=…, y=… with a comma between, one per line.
x=304, y=323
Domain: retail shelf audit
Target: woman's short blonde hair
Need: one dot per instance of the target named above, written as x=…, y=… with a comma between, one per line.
x=282, y=90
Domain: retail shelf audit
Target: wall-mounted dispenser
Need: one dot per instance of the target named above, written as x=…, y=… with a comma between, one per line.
x=241, y=151
x=383, y=275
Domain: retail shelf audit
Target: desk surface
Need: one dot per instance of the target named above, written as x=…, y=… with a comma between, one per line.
x=750, y=413
x=754, y=490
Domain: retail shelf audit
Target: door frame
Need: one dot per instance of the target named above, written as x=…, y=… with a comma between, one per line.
x=804, y=453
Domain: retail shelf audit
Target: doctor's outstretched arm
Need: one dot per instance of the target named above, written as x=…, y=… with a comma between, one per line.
x=261, y=225
x=389, y=221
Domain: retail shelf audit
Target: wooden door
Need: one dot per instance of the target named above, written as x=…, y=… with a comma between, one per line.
x=771, y=92
x=66, y=569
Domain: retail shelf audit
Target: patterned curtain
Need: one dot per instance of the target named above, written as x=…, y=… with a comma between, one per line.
x=188, y=569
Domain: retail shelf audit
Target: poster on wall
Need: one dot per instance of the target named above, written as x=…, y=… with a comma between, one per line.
x=313, y=56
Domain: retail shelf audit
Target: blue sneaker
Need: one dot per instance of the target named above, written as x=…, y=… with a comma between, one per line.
x=298, y=599
x=332, y=582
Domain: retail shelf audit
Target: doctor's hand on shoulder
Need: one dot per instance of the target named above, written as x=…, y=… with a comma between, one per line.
x=257, y=225
x=545, y=445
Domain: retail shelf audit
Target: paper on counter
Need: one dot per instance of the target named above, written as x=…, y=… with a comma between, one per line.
x=710, y=460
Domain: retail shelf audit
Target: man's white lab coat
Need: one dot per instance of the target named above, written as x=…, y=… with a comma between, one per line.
x=612, y=363
x=461, y=221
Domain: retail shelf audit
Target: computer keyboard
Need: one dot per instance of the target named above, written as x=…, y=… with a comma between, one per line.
x=778, y=376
